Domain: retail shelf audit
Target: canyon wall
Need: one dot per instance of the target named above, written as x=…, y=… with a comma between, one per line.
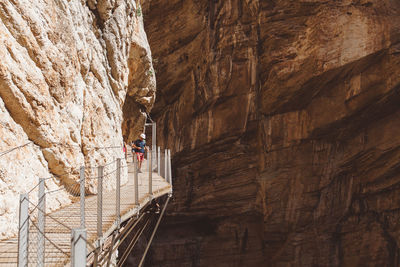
x=76, y=79
x=283, y=118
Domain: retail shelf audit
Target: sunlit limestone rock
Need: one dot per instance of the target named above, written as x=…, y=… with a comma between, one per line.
x=75, y=77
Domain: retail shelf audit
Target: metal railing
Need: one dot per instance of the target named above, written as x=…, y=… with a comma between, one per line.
x=69, y=233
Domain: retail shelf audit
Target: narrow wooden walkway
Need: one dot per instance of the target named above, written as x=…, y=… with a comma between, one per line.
x=58, y=224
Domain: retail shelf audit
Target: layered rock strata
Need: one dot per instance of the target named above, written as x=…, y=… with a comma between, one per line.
x=283, y=118
x=75, y=81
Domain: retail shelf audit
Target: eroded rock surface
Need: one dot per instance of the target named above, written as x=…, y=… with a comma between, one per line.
x=75, y=77
x=284, y=118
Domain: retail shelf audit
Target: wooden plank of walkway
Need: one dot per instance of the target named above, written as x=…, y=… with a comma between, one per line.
x=59, y=223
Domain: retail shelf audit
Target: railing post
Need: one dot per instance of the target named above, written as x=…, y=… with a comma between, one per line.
x=154, y=159
x=159, y=161
x=23, y=230
x=78, y=247
x=150, y=160
x=154, y=143
x=169, y=168
x=100, y=170
x=41, y=222
x=153, y=136
x=166, y=165
x=100, y=202
x=136, y=180
x=118, y=193
x=82, y=195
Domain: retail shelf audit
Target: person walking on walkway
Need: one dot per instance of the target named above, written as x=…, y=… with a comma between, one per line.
x=125, y=150
x=139, y=146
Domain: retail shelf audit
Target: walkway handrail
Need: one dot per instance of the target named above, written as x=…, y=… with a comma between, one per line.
x=53, y=226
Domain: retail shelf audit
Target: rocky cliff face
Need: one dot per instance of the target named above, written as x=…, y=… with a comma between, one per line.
x=75, y=77
x=284, y=118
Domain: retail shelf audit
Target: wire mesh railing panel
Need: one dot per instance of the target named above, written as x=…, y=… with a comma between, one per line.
x=56, y=247
x=97, y=201
x=162, y=164
x=110, y=194
x=49, y=235
x=32, y=239
x=33, y=248
x=154, y=160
